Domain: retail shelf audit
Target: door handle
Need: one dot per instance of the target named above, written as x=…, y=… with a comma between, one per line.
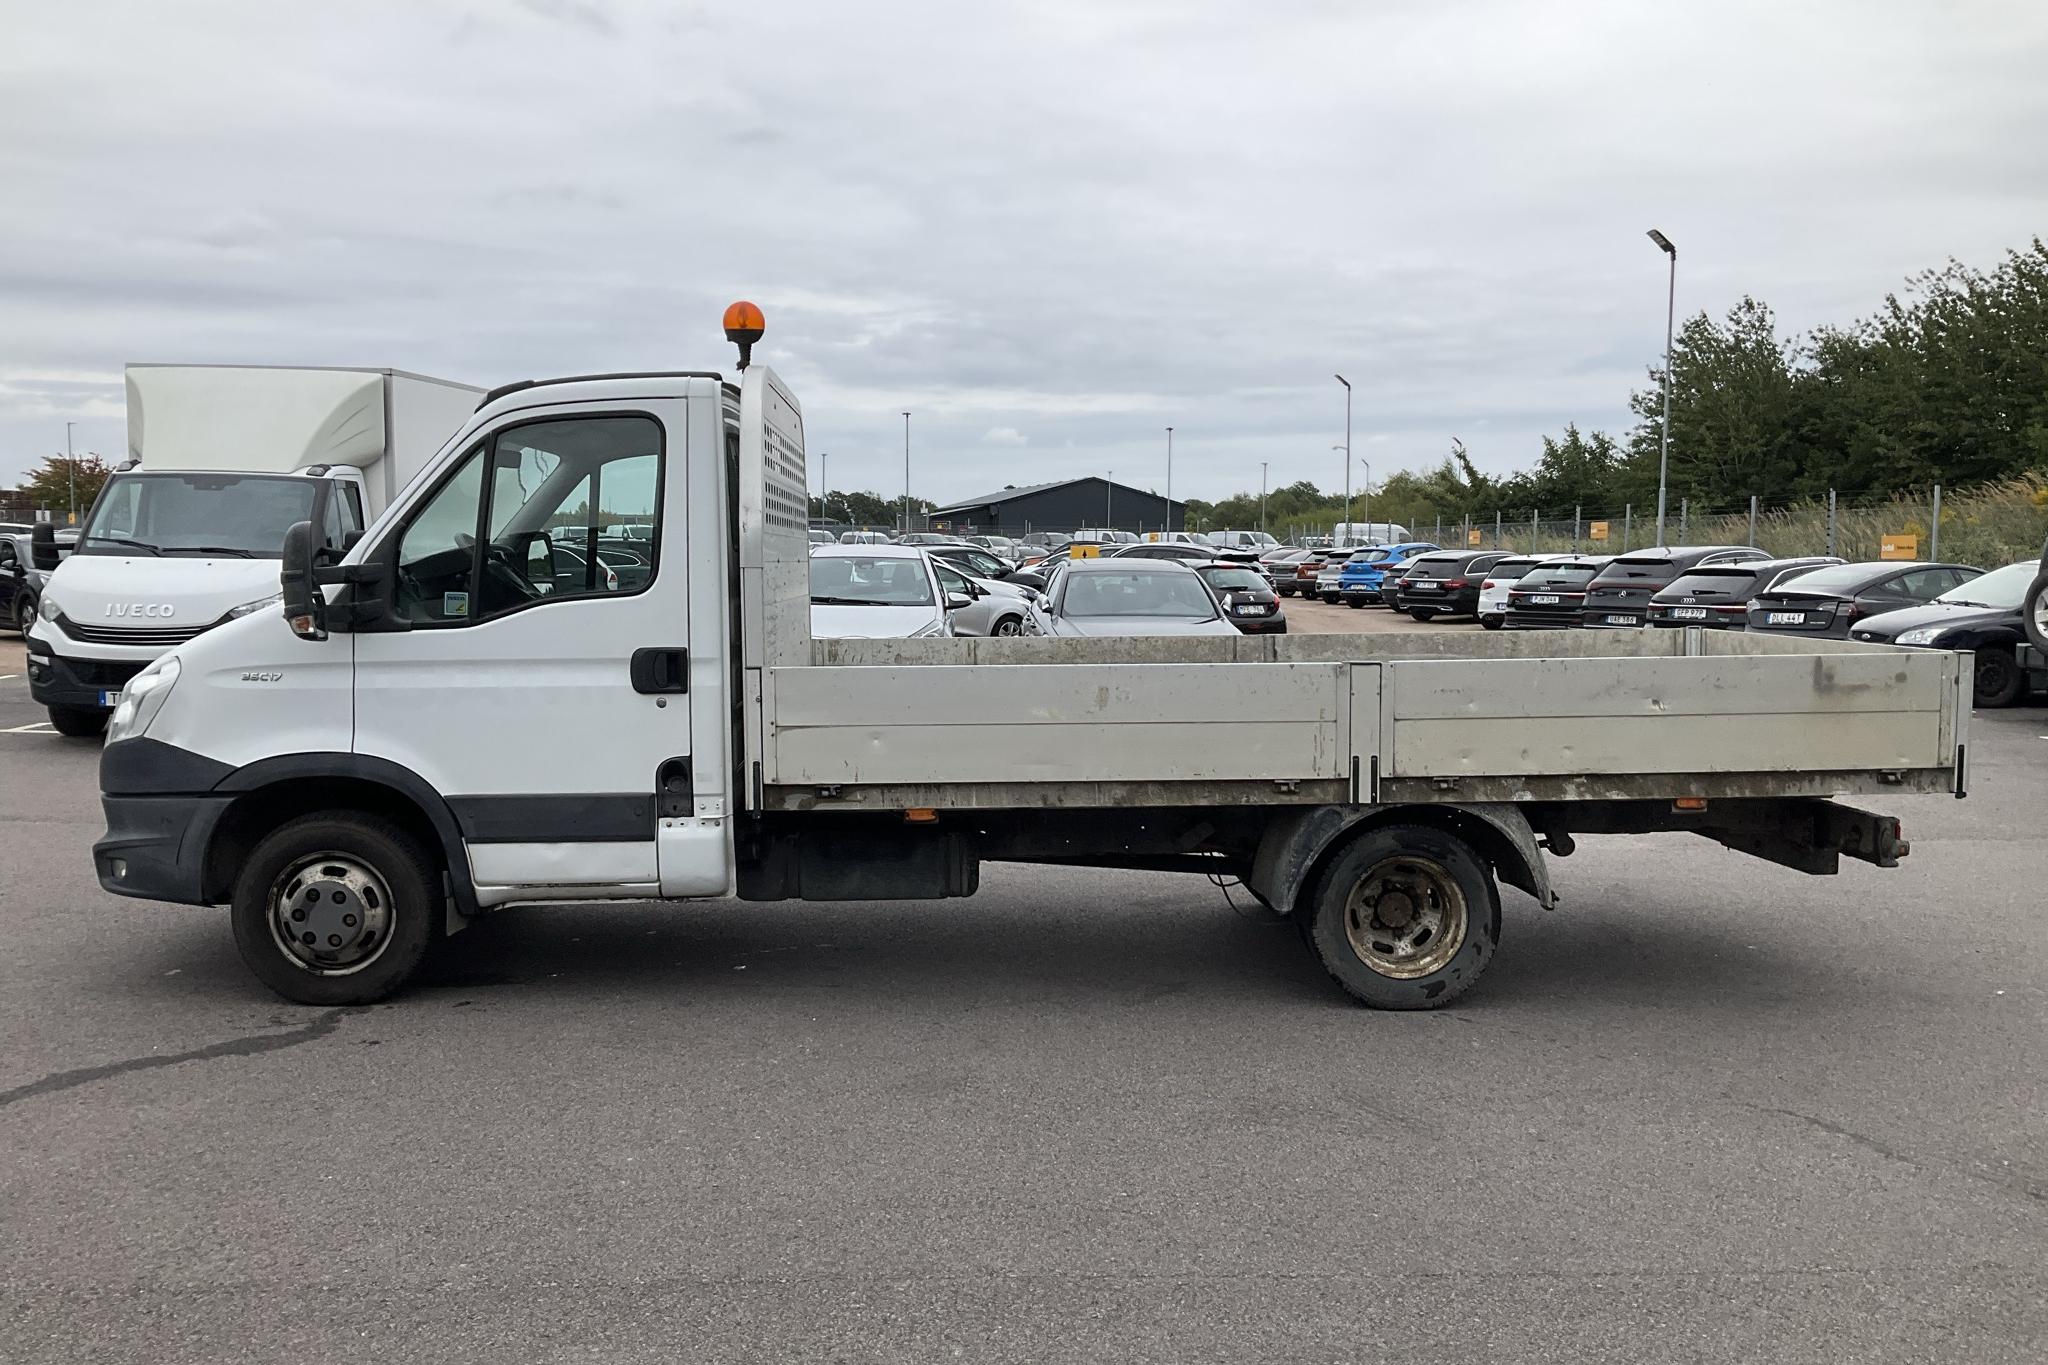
x=660, y=670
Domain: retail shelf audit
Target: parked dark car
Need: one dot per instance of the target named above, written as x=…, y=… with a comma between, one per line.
x=1280, y=565
x=1249, y=601
x=1186, y=554
x=1395, y=581
x=1717, y=596
x=1447, y=583
x=1824, y=604
x=1619, y=599
x=985, y=563
x=1983, y=616
x=1307, y=571
x=18, y=583
x=1494, y=585
x=1552, y=596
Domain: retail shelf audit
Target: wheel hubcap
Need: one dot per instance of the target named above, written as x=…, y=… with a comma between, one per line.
x=331, y=914
x=1009, y=628
x=1406, y=918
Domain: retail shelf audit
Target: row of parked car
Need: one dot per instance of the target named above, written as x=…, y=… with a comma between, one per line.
x=917, y=590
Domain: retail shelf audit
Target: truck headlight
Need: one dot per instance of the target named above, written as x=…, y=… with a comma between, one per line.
x=1919, y=635
x=47, y=608
x=142, y=698
x=247, y=607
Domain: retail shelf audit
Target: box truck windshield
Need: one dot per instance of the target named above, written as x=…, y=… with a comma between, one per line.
x=242, y=516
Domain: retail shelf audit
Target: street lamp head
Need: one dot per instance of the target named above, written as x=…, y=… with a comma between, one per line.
x=1342, y=380
x=1663, y=242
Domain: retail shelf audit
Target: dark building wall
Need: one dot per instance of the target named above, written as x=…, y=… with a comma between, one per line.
x=1067, y=508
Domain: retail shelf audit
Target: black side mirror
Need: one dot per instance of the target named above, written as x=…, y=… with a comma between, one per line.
x=42, y=545
x=305, y=606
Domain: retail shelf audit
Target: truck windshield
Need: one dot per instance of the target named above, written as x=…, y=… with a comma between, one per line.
x=242, y=516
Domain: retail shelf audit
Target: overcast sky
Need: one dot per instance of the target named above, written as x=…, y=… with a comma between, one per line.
x=1049, y=229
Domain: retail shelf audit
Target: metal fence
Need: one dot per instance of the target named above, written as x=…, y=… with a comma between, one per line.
x=1983, y=526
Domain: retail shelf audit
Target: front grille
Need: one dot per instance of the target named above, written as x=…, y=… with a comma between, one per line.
x=152, y=636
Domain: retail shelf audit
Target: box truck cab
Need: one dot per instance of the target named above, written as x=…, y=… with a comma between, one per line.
x=187, y=535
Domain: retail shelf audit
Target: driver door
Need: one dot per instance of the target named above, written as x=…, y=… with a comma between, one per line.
x=516, y=691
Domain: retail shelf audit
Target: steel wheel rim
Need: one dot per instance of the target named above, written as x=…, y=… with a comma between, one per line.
x=1009, y=627
x=330, y=914
x=1406, y=918
x=1992, y=668
x=2041, y=613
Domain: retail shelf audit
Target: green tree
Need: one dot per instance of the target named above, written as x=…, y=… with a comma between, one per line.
x=51, y=486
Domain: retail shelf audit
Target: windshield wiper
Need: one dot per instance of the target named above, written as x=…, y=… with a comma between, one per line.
x=235, y=551
x=1963, y=602
x=142, y=545
x=861, y=602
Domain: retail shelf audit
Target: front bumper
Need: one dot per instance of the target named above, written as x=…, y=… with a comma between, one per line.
x=54, y=680
x=155, y=846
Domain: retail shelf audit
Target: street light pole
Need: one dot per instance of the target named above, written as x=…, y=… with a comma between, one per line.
x=824, y=487
x=1664, y=434
x=1109, y=500
x=1368, y=498
x=1262, y=494
x=906, y=473
x=71, y=472
x=1169, y=480
x=1347, y=454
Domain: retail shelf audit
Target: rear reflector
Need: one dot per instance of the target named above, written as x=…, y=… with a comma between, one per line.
x=1690, y=803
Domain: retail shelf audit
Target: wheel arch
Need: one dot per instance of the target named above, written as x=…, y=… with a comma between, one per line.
x=269, y=793
x=1297, y=847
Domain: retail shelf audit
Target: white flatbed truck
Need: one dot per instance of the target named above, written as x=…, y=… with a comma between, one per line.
x=436, y=726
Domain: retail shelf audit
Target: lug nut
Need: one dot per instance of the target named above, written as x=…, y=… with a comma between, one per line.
x=298, y=914
x=349, y=920
x=334, y=940
x=307, y=939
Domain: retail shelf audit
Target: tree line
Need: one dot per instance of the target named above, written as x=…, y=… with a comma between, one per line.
x=1946, y=383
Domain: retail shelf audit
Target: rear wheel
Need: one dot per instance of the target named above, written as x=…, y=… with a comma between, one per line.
x=1493, y=622
x=1406, y=917
x=79, y=722
x=1423, y=614
x=1999, y=677
x=2035, y=612
x=337, y=908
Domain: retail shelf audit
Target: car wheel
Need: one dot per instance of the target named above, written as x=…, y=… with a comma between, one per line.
x=1999, y=677
x=1406, y=917
x=24, y=611
x=1421, y=614
x=1493, y=622
x=1353, y=603
x=337, y=908
x=2035, y=613
x=1009, y=625
x=79, y=722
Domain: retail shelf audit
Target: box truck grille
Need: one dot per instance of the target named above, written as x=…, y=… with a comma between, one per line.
x=131, y=635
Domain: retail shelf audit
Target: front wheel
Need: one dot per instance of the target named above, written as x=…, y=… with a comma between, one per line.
x=24, y=612
x=2000, y=679
x=1009, y=625
x=79, y=722
x=1406, y=917
x=336, y=908
x=2035, y=613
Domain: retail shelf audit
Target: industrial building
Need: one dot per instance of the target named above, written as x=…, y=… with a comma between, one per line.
x=1066, y=505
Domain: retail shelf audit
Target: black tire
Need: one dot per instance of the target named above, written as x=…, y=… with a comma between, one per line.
x=2000, y=679
x=1405, y=858
x=1353, y=603
x=79, y=722
x=1015, y=624
x=1493, y=622
x=1422, y=615
x=24, y=612
x=2034, y=611
x=292, y=853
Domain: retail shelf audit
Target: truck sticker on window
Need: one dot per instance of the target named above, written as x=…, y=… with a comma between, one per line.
x=455, y=604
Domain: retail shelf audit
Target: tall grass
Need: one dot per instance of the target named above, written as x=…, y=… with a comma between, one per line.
x=1987, y=526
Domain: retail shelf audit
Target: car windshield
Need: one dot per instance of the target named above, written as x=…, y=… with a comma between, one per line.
x=1509, y=569
x=2000, y=588
x=1368, y=556
x=1558, y=575
x=864, y=581
x=241, y=515
x=1234, y=580
x=1137, y=592
x=1436, y=563
x=1726, y=581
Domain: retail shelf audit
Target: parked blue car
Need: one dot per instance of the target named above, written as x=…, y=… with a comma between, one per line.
x=1358, y=582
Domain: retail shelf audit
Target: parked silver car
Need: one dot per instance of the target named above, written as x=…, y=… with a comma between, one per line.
x=1119, y=596
x=993, y=608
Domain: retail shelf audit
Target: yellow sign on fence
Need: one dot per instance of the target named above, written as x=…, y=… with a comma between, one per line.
x=1898, y=547
x=1472, y=537
x=1596, y=530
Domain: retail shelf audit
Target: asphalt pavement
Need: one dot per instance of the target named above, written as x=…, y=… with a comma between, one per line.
x=1708, y=1110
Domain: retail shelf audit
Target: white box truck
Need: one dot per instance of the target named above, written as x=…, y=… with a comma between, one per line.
x=222, y=460
x=437, y=725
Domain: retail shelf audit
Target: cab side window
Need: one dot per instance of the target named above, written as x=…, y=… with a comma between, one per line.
x=561, y=508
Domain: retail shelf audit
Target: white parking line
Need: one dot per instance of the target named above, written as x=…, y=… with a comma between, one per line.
x=41, y=727
x=5, y=676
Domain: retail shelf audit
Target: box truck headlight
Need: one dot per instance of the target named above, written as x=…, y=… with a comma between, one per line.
x=47, y=607
x=259, y=604
x=142, y=698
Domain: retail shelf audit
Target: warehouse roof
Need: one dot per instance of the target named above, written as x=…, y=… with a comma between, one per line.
x=1010, y=494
